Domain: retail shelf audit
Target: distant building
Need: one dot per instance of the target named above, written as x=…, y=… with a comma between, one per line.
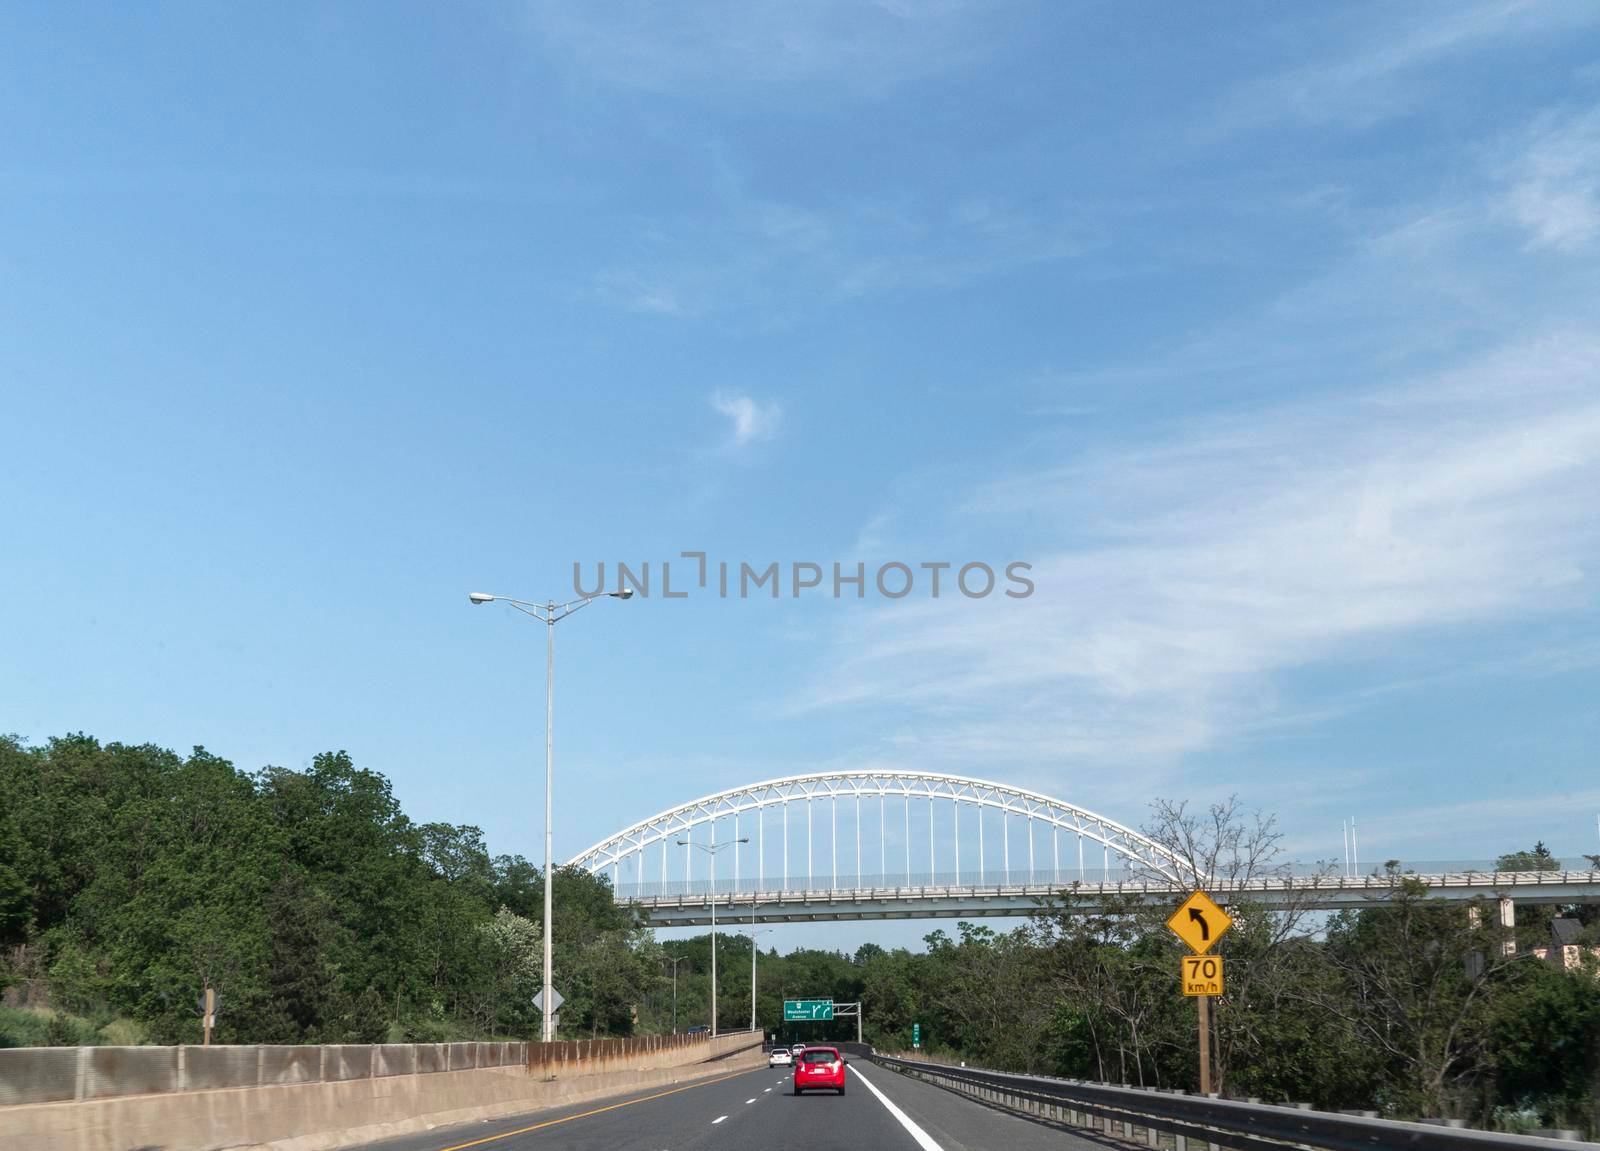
x=1565, y=952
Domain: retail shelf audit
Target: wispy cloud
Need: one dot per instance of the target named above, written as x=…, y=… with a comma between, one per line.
x=1565, y=816
x=709, y=52
x=1209, y=561
x=1185, y=571
x=749, y=421
x=755, y=254
x=1555, y=192
x=1390, y=70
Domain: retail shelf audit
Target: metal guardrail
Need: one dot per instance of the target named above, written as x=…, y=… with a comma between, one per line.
x=1205, y=1120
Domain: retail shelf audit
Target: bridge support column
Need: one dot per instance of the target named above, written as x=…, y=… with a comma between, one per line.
x=1508, y=920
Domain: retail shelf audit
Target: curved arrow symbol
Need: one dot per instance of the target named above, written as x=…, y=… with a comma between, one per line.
x=1198, y=916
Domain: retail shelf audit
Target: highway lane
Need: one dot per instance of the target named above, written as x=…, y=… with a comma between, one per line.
x=757, y=1110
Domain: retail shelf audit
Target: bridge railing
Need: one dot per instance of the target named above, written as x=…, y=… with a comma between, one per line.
x=749, y=885
x=1299, y=875
x=1147, y=1113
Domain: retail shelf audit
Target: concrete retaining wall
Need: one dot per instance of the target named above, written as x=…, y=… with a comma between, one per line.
x=354, y=1097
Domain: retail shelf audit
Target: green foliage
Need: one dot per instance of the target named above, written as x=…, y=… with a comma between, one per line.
x=133, y=878
x=1546, y=1046
x=1539, y=859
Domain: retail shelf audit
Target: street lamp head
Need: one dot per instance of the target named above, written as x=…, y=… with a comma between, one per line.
x=625, y=593
x=480, y=597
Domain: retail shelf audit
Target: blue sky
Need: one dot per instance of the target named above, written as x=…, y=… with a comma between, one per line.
x=1269, y=337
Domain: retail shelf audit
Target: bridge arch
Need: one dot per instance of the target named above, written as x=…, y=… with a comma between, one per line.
x=976, y=831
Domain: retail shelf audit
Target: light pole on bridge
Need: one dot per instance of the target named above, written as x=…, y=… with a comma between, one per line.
x=711, y=849
x=549, y=614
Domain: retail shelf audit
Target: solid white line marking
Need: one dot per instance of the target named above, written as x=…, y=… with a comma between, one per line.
x=923, y=1139
x=718, y=1119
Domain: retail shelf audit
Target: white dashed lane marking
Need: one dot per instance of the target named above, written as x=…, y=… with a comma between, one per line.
x=718, y=1119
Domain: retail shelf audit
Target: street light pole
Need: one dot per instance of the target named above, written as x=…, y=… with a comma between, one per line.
x=753, y=934
x=711, y=849
x=675, y=962
x=549, y=613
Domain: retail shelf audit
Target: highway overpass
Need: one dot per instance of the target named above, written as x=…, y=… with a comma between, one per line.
x=943, y=901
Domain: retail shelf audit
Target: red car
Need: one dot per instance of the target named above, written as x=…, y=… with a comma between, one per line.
x=818, y=1067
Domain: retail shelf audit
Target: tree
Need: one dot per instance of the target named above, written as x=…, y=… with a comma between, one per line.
x=1545, y=1045
x=1262, y=951
x=16, y=897
x=1533, y=920
x=986, y=987
x=301, y=982
x=513, y=961
x=1418, y=980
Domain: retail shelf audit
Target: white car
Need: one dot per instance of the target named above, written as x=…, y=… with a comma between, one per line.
x=780, y=1057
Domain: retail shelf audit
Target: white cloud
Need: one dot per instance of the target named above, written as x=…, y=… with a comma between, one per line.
x=760, y=254
x=1555, y=193
x=1389, y=71
x=1190, y=570
x=1186, y=571
x=717, y=52
x=750, y=420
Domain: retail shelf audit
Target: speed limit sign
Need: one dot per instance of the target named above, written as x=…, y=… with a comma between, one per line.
x=1202, y=974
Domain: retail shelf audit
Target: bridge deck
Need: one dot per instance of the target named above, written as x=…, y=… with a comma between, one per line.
x=1329, y=893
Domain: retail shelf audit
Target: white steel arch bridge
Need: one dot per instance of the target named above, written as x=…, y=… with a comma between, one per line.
x=827, y=844
x=867, y=844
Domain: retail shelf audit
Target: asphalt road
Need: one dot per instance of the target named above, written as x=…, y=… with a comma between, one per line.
x=757, y=1111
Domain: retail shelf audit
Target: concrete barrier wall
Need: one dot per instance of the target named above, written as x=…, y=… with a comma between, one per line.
x=60, y=1074
x=357, y=1093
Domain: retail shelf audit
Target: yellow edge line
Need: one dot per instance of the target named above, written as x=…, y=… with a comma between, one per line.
x=596, y=1111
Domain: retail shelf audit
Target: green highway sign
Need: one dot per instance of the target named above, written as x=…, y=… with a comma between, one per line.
x=807, y=1010
x=916, y=1035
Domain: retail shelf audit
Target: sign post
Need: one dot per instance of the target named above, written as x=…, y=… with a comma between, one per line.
x=1199, y=922
x=207, y=1007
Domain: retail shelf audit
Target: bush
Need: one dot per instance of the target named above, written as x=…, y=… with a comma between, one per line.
x=123, y=1033
x=42, y=1027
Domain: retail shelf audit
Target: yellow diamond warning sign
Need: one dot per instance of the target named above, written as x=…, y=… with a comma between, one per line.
x=1199, y=923
x=1202, y=974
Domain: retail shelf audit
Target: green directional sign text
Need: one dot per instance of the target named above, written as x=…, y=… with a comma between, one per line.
x=801, y=1010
